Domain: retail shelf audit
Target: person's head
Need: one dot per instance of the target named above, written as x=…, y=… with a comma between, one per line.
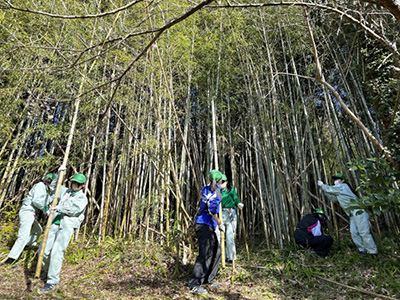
x=78, y=182
x=48, y=178
x=224, y=183
x=338, y=179
x=320, y=215
x=215, y=179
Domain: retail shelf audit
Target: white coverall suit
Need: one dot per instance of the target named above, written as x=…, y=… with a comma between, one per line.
x=359, y=226
x=29, y=231
x=71, y=212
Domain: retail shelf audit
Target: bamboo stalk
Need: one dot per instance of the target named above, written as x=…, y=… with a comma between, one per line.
x=379, y=296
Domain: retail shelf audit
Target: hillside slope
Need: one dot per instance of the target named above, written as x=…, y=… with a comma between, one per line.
x=133, y=270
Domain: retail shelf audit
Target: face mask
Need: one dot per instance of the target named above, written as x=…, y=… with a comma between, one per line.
x=337, y=182
x=47, y=181
x=223, y=186
x=76, y=186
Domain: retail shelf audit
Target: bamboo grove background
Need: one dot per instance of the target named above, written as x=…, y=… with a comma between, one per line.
x=147, y=76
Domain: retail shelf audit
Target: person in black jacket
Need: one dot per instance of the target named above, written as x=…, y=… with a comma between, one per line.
x=309, y=233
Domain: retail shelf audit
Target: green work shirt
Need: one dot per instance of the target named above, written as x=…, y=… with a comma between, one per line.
x=57, y=219
x=71, y=207
x=229, y=199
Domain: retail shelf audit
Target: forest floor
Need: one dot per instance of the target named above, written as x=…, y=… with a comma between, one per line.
x=132, y=270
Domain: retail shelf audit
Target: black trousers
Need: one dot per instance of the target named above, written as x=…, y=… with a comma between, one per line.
x=207, y=263
x=320, y=244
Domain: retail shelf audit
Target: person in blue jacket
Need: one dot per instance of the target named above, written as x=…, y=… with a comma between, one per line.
x=69, y=214
x=207, y=262
x=359, y=226
x=38, y=199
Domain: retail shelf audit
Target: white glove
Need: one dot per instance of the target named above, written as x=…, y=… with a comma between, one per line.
x=222, y=227
x=56, y=208
x=240, y=205
x=48, y=212
x=320, y=183
x=62, y=168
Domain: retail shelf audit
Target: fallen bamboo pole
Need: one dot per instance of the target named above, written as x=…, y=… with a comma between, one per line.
x=354, y=288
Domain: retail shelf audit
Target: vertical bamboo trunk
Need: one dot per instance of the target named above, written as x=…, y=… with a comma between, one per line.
x=103, y=187
x=111, y=174
x=13, y=159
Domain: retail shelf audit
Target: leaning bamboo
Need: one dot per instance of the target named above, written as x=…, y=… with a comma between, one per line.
x=57, y=192
x=320, y=78
x=65, y=160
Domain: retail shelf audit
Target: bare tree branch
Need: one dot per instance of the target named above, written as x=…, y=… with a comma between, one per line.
x=9, y=5
x=153, y=40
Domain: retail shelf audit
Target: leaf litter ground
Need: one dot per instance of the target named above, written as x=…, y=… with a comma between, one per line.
x=133, y=270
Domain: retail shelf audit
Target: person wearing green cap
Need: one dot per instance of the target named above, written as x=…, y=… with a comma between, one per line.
x=37, y=200
x=69, y=214
x=207, y=262
x=309, y=233
x=359, y=226
x=230, y=201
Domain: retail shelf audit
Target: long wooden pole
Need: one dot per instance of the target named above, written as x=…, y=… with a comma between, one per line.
x=244, y=235
x=65, y=161
x=59, y=182
x=214, y=116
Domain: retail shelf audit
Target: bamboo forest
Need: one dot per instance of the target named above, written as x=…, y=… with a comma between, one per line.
x=144, y=98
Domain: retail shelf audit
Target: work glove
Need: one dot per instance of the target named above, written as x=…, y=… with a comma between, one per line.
x=55, y=209
x=240, y=205
x=320, y=183
x=62, y=168
x=221, y=227
x=48, y=212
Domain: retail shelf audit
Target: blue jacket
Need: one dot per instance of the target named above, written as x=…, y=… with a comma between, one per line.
x=209, y=205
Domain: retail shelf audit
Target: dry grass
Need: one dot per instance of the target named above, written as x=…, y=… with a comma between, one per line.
x=132, y=270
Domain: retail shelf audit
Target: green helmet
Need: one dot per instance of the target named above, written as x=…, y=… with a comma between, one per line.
x=320, y=215
x=215, y=174
x=79, y=178
x=50, y=175
x=318, y=211
x=224, y=178
x=339, y=176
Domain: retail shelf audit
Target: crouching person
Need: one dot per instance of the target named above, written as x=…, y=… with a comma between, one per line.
x=309, y=233
x=69, y=214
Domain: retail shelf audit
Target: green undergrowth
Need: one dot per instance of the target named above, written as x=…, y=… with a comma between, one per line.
x=127, y=269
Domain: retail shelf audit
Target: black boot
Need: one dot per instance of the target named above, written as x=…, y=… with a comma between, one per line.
x=9, y=261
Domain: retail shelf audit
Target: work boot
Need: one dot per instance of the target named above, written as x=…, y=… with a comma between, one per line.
x=7, y=261
x=47, y=288
x=11, y=263
x=198, y=289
